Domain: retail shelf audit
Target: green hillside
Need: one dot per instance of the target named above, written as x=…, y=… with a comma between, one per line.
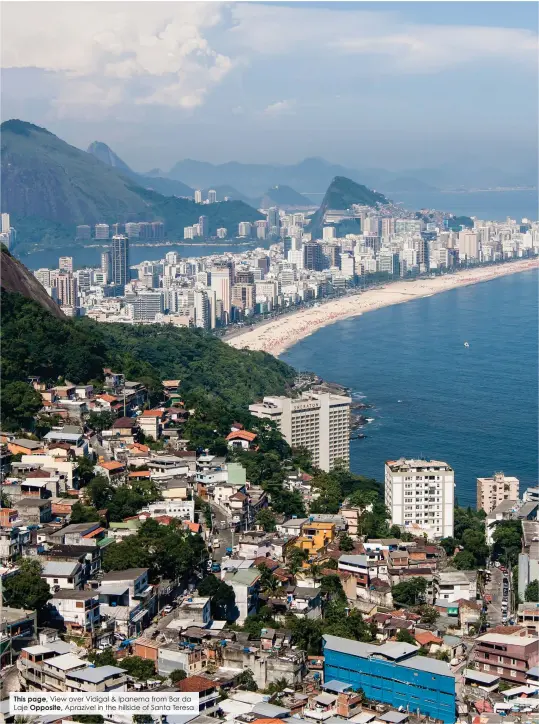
x=49, y=187
x=34, y=342
x=342, y=193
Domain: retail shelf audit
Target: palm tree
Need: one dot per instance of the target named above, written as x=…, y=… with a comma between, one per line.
x=276, y=687
x=315, y=570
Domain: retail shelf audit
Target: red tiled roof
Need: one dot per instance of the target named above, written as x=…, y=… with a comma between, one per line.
x=193, y=527
x=38, y=474
x=124, y=422
x=93, y=533
x=112, y=465
x=242, y=435
x=107, y=398
x=238, y=496
x=198, y=683
x=423, y=639
x=140, y=474
x=269, y=562
x=152, y=413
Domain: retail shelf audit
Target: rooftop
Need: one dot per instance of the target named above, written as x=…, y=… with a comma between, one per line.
x=127, y=575
x=95, y=675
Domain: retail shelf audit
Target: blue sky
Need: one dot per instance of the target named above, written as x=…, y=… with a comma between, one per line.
x=393, y=85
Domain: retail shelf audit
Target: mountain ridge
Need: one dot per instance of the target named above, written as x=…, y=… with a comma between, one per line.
x=49, y=187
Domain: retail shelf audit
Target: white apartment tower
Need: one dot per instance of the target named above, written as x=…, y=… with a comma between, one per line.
x=221, y=284
x=198, y=196
x=318, y=421
x=419, y=495
x=493, y=491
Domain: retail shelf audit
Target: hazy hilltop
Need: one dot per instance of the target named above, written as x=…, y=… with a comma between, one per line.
x=49, y=187
x=165, y=186
x=342, y=193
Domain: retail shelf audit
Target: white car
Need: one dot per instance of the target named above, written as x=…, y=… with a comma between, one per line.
x=216, y=543
x=167, y=609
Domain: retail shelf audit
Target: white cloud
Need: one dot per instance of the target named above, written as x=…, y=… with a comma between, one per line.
x=158, y=51
x=399, y=47
x=280, y=108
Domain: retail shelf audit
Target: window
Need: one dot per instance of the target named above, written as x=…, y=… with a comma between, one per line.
x=79, y=604
x=500, y=669
x=513, y=673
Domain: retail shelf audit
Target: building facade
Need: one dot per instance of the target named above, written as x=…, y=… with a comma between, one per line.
x=493, y=491
x=420, y=494
x=319, y=422
x=393, y=674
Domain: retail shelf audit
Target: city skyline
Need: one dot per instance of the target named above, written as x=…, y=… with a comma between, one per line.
x=439, y=81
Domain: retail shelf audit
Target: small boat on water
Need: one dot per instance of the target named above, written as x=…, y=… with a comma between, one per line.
x=466, y=344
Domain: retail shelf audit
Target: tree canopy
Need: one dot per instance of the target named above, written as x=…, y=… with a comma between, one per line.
x=27, y=589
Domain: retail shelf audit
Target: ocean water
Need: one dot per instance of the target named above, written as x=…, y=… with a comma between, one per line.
x=485, y=205
x=474, y=407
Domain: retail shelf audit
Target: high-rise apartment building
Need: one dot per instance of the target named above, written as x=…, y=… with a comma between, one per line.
x=66, y=263
x=419, y=495
x=43, y=276
x=388, y=226
x=468, y=245
x=106, y=265
x=204, y=224
x=83, y=232
x=6, y=224
x=222, y=232
x=146, y=305
x=274, y=221
x=244, y=228
x=329, y=233
x=221, y=284
x=319, y=422
x=261, y=229
x=66, y=286
x=493, y=491
x=212, y=196
x=198, y=196
x=243, y=296
x=101, y=231
x=312, y=256
x=119, y=255
x=132, y=230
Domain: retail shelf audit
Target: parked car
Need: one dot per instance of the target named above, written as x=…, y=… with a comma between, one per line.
x=167, y=609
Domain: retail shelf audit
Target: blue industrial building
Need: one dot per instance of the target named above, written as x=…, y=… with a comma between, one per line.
x=393, y=674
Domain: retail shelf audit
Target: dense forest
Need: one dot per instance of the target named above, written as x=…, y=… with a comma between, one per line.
x=34, y=343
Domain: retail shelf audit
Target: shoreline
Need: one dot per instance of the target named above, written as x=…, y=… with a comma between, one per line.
x=275, y=336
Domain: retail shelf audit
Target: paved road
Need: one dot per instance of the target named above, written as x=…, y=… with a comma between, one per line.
x=224, y=534
x=495, y=588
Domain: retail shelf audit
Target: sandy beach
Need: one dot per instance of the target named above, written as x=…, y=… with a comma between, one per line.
x=277, y=335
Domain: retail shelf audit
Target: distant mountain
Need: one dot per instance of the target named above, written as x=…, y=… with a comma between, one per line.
x=283, y=196
x=49, y=187
x=105, y=154
x=310, y=176
x=166, y=186
x=342, y=193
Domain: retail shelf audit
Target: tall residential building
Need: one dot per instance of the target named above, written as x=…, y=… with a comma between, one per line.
x=146, y=305
x=244, y=228
x=66, y=286
x=221, y=284
x=119, y=255
x=132, y=230
x=198, y=196
x=274, y=221
x=83, y=232
x=188, y=232
x=66, y=263
x=243, y=296
x=43, y=276
x=493, y=491
x=329, y=233
x=106, y=265
x=101, y=231
x=468, y=244
x=201, y=305
x=312, y=256
x=388, y=226
x=318, y=421
x=84, y=279
x=419, y=495
x=204, y=224
x=5, y=224
x=212, y=196
x=222, y=232
x=261, y=229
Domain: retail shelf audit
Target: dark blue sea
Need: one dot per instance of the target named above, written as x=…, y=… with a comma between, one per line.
x=474, y=407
